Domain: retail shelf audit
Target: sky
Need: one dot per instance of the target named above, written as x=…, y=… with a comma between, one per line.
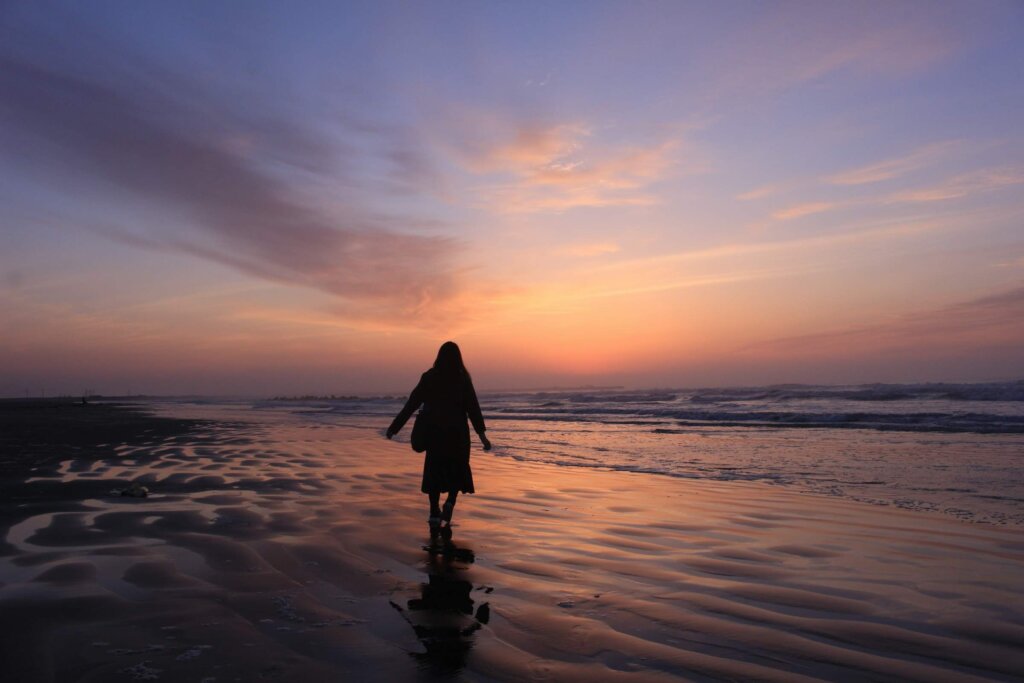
x=285, y=198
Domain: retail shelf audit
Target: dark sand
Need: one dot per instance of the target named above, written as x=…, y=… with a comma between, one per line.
x=275, y=549
x=38, y=436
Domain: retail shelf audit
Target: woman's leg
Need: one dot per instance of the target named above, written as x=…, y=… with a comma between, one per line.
x=435, y=508
x=449, y=506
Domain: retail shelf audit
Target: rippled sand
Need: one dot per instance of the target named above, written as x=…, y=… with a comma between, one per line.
x=278, y=549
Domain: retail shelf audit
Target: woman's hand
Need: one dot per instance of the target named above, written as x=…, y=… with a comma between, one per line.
x=485, y=441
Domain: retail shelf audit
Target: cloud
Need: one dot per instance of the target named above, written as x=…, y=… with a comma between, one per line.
x=805, y=209
x=895, y=167
x=1011, y=263
x=757, y=193
x=591, y=249
x=522, y=148
x=995, y=320
x=220, y=180
x=727, y=264
x=528, y=166
x=963, y=185
x=783, y=45
x=882, y=231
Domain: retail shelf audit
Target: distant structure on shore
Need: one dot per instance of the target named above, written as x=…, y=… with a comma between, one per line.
x=333, y=397
x=389, y=397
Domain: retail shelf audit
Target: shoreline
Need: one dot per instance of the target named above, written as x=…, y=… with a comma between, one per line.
x=968, y=475
x=295, y=551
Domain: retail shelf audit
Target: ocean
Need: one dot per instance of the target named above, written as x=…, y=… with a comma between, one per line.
x=953, y=449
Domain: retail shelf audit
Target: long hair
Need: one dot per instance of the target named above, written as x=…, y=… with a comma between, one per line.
x=449, y=363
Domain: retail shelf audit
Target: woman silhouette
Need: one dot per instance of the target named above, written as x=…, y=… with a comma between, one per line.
x=447, y=396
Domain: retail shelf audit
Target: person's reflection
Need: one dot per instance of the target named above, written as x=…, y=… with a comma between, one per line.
x=446, y=621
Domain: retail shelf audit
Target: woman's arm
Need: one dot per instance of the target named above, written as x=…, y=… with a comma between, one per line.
x=475, y=415
x=414, y=402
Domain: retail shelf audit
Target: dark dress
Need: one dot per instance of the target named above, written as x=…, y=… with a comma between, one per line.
x=446, y=404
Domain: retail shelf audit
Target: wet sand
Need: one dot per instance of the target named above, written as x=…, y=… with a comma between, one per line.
x=271, y=548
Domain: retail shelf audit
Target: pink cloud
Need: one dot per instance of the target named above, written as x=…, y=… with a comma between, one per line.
x=805, y=209
x=529, y=166
x=963, y=185
x=894, y=167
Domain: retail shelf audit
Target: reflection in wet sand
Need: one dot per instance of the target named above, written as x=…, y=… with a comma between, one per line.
x=443, y=617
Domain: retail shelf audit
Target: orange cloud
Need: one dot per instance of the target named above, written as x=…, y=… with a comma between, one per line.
x=806, y=209
x=591, y=249
x=528, y=147
x=531, y=167
x=599, y=178
x=881, y=231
